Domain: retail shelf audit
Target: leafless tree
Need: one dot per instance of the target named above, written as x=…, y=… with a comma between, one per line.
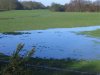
x=8, y=4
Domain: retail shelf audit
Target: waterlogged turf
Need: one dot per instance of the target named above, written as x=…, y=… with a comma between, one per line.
x=95, y=33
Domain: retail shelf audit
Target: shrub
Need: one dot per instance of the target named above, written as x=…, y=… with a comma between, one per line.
x=16, y=65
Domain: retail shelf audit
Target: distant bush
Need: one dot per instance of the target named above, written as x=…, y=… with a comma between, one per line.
x=2, y=10
x=57, y=7
x=30, y=5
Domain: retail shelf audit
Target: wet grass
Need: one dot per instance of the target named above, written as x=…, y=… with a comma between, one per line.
x=95, y=33
x=42, y=19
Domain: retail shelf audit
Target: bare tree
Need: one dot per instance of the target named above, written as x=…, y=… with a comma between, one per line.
x=97, y=5
x=8, y=4
x=83, y=6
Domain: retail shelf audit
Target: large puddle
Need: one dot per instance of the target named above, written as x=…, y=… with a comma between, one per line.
x=59, y=43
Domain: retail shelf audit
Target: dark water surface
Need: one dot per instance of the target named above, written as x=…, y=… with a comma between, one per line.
x=59, y=43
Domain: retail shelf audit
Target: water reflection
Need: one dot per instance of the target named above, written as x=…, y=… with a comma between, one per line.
x=59, y=43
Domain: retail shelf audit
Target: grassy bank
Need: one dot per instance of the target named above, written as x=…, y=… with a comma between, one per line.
x=77, y=65
x=42, y=19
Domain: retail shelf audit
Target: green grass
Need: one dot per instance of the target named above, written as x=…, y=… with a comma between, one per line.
x=42, y=19
x=87, y=66
x=95, y=33
x=90, y=66
x=84, y=66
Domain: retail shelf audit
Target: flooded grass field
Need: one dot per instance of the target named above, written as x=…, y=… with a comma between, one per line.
x=74, y=38
x=59, y=43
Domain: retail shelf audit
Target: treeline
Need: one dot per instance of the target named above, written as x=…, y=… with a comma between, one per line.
x=32, y=5
x=72, y=6
x=77, y=6
x=8, y=4
x=16, y=5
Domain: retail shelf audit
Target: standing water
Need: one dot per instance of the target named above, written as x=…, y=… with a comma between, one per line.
x=59, y=43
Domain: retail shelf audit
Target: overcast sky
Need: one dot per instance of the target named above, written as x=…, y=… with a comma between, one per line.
x=48, y=2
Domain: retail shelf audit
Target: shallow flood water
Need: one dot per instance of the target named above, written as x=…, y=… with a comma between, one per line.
x=59, y=43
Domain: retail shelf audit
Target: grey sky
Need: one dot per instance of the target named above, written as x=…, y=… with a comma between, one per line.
x=48, y=2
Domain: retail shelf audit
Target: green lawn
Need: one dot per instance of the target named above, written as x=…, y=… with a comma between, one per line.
x=42, y=19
